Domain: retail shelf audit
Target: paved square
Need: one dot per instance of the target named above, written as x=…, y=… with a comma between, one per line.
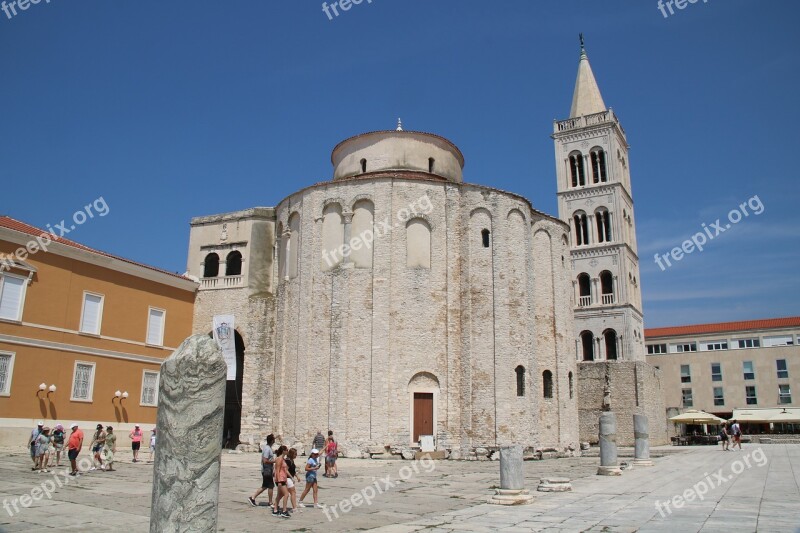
x=764, y=496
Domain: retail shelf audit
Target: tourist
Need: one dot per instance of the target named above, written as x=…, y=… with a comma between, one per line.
x=723, y=437
x=737, y=434
x=312, y=465
x=98, y=441
x=136, y=438
x=110, y=448
x=267, y=469
x=152, y=445
x=43, y=449
x=290, y=481
x=58, y=442
x=281, y=477
x=319, y=441
x=32, y=442
x=331, y=453
x=74, y=446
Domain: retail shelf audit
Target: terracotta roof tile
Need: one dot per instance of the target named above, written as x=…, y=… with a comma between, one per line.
x=722, y=327
x=27, y=229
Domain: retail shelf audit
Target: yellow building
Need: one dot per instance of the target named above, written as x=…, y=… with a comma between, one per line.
x=82, y=333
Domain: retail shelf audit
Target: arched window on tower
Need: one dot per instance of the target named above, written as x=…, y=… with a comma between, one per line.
x=233, y=264
x=611, y=344
x=587, y=343
x=431, y=162
x=577, y=172
x=599, y=172
x=211, y=266
x=581, y=228
x=547, y=384
x=520, y=370
x=363, y=165
x=585, y=290
x=418, y=243
x=607, y=287
x=603, y=218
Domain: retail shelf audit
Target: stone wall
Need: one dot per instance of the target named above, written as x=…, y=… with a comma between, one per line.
x=628, y=388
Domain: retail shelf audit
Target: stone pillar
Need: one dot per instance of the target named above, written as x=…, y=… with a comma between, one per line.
x=608, y=446
x=191, y=408
x=348, y=228
x=641, y=441
x=512, y=479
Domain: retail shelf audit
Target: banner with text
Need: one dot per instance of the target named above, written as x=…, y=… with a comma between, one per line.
x=224, y=335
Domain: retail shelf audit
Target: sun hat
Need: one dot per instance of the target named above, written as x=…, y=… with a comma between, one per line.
x=314, y=451
x=136, y=425
x=99, y=426
x=59, y=426
x=40, y=423
x=45, y=428
x=73, y=426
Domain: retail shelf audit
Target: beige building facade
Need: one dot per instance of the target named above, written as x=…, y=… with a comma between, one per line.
x=734, y=365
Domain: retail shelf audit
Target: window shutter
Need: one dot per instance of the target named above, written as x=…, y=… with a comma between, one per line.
x=80, y=388
x=90, y=322
x=155, y=327
x=149, y=388
x=5, y=363
x=11, y=297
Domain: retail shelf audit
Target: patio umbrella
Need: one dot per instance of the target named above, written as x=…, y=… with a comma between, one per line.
x=785, y=417
x=694, y=416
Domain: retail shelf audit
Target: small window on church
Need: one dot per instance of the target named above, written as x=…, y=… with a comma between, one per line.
x=363, y=165
x=547, y=384
x=520, y=370
x=485, y=236
x=571, y=387
x=431, y=161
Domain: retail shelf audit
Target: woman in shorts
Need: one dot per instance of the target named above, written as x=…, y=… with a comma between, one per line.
x=281, y=477
x=98, y=441
x=110, y=448
x=312, y=465
x=290, y=481
x=58, y=442
x=136, y=442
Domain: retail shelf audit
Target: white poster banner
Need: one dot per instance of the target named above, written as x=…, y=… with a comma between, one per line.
x=224, y=335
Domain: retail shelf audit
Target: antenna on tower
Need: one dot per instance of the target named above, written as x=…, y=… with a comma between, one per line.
x=399, y=125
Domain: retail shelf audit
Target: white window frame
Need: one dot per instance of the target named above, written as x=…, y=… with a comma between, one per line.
x=155, y=394
x=782, y=396
x=721, y=397
x=163, y=326
x=754, y=342
x=754, y=396
x=785, y=368
x=657, y=349
x=21, y=298
x=687, y=375
x=99, y=314
x=714, y=346
x=716, y=374
x=685, y=397
x=7, y=391
x=745, y=372
x=90, y=392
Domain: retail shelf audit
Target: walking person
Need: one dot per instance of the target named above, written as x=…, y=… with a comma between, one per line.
x=319, y=443
x=74, y=446
x=267, y=469
x=281, y=477
x=737, y=434
x=58, y=443
x=43, y=449
x=331, y=453
x=152, y=445
x=98, y=441
x=32, y=442
x=293, y=477
x=723, y=436
x=312, y=465
x=136, y=442
x=110, y=448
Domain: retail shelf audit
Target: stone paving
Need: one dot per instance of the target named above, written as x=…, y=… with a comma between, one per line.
x=762, y=497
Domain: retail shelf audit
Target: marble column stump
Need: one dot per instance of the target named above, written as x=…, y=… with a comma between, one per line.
x=641, y=437
x=608, y=446
x=191, y=408
x=512, y=479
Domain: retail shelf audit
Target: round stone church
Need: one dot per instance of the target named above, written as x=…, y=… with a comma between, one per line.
x=394, y=304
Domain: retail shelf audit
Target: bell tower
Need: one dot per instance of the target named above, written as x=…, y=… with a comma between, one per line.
x=594, y=198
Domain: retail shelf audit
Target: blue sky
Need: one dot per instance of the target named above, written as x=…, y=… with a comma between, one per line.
x=170, y=110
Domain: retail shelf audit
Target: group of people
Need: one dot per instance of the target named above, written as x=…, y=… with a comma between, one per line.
x=46, y=447
x=278, y=468
x=730, y=430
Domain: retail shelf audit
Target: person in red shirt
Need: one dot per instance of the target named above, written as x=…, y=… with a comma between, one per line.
x=136, y=438
x=74, y=448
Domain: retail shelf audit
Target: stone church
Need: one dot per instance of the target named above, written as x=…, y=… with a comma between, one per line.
x=396, y=301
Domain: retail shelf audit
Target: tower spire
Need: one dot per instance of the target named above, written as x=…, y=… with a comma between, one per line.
x=586, y=99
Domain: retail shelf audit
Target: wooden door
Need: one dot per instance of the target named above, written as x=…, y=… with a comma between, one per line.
x=423, y=414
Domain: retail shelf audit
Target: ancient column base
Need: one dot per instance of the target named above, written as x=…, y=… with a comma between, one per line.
x=511, y=497
x=554, y=484
x=609, y=471
x=643, y=462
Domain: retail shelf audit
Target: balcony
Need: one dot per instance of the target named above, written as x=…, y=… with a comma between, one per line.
x=575, y=123
x=224, y=282
x=585, y=301
x=608, y=299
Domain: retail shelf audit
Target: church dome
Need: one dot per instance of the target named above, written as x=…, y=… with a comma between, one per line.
x=390, y=150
